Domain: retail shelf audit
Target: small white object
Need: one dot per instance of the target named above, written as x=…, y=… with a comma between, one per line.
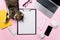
x=42, y=35
x=43, y=21
x=54, y=24
x=12, y=31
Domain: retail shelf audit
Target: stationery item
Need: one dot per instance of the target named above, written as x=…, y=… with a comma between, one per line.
x=48, y=30
x=54, y=23
x=12, y=31
x=46, y=7
x=2, y=18
x=42, y=35
x=26, y=3
x=28, y=26
x=43, y=21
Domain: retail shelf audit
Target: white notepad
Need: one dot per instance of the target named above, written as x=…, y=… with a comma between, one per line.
x=28, y=26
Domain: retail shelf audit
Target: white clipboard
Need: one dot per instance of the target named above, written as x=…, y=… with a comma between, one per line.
x=28, y=26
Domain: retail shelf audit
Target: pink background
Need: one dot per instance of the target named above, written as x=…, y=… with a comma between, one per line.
x=54, y=35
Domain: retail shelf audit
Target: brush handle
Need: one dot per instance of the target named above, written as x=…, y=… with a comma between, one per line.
x=43, y=21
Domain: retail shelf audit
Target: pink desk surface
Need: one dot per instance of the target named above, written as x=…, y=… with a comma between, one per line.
x=54, y=35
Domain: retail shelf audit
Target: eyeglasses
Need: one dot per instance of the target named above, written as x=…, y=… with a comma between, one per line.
x=26, y=3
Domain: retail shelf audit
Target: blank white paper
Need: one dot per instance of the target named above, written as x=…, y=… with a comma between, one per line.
x=28, y=25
